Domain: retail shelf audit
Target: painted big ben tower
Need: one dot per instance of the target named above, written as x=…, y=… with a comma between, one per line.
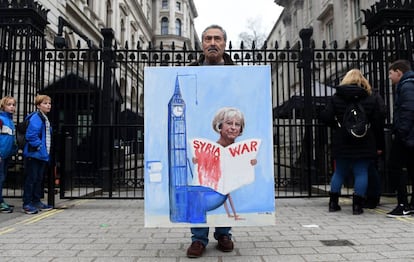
x=188, y=203
x=177, y=156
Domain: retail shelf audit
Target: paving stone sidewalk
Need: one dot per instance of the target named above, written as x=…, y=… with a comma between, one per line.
x=113, y=230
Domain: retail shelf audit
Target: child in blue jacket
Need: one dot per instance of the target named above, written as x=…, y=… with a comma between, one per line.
x=8, y=145
x=36, y=155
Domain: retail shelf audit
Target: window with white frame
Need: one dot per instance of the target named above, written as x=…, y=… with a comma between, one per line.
x=164, y=26
x=357, y=18
x=178, y=6
x=178, y=27
x=330, y=33
x=164, y=4
x=84, y=120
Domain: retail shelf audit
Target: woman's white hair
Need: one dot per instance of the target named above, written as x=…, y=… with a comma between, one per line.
x=224, y=114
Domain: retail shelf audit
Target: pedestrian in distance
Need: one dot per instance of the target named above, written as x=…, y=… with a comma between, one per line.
x=353, y=148
x=402, y=147
x=36, y=155
x=214, y=40
x=8, y=146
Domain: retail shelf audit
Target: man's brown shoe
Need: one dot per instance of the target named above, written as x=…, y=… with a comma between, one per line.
x=225, y=244
x=196, y=249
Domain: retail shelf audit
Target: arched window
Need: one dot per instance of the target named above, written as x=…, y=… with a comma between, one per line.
x=164, y=26
x=178, y=27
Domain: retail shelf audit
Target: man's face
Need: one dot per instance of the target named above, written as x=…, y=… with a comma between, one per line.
x=395, y=76
x=213, y=45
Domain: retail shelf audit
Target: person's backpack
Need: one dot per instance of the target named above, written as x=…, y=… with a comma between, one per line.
x=355, y=120
x=21, y=131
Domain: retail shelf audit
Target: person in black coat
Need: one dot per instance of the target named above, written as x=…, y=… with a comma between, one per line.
x=402, y=147
x=350, y=152
x=374, y=190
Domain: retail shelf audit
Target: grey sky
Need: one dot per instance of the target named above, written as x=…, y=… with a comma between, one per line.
x=233, y=15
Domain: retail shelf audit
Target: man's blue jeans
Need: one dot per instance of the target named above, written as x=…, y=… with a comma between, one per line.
x=201, y=233
x=33, y=186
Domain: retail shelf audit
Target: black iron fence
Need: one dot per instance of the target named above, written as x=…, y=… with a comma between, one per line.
x=98, y=103
x=98, y=108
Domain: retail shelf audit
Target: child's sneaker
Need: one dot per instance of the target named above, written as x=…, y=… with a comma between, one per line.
x=43, y=207
x=29, y=209
x=10, y=205
x=4, y=208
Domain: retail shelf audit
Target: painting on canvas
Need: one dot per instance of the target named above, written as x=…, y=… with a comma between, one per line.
x=208, y=154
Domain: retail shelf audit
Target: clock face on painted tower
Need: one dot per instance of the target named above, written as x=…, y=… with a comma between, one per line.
x=178, y=110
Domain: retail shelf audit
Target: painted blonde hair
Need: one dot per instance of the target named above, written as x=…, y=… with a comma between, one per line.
x=226, y=113
x=355, y=77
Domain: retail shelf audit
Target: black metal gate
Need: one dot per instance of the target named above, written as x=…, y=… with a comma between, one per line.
x=97, y=96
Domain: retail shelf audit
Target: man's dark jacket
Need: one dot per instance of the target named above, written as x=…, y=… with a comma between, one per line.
x=200, y=62
x=403, y=117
